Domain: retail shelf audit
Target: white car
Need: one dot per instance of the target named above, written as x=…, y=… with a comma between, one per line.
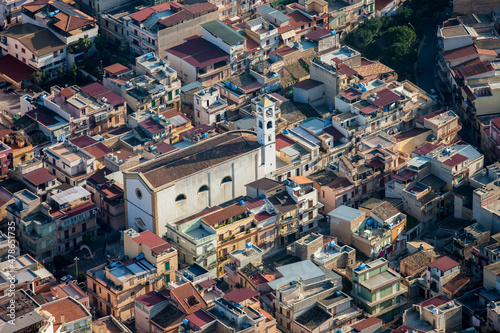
x=67, y=278
x=434, y=93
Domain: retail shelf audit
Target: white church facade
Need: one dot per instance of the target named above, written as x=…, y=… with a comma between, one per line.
x=204, y=175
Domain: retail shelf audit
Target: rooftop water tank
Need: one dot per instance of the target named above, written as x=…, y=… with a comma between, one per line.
x=185, y=321
x=285, y=131
x=242, y=202
x=248, y=245
x=361, y=266
x=149, y=55
x=333, y=33
x=332, y=243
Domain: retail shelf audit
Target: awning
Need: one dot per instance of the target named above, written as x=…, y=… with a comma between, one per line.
x=43, y=273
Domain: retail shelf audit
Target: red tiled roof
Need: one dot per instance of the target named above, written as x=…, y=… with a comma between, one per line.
x=263, y=216
x=76, y=211
x=475, y=69
x=15, y=69
x=67, y=22
x=201, y=7
x=297, y=20
x=456, y=284
x=5, y=197
x=346, y=70
x=339, y=183
x=199, y=319
x=405, y=175
x=176, y=18
x=207, y=283
x=444, y=263
x=165, y=148
x=183, y=293
x=350, y=94
x=203, y=128
x=240, y=295
x=251, y=87
x=66, y=92
x=386, y=97
x=198, y=52
x=150, y=299
x=251, y=45
x=284, y=29
x=489, y=52
x=149, y=239
x=145, y=13
x=279, y=97
x=333, y=132
x=318, y=34
x=430, y=115
x=254, y=203
x=39, y=176
x=307, y=84
x=83, y=141
x=381, y=4
x=97, y=150
x=410, y=134
x=364, y=324
x=377, y=164
x=117, y=69
x=71, y=309
x=282, y=142
x=462, y=52
x=283, y=51
x=368, y=109
x=469, y=93
x=152, y=126
x=436, y=301
x=496, y=122
x=99, y=91
x=224, y=214
x=455, y=160
x=426, y=149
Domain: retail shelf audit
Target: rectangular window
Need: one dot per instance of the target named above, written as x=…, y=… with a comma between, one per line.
x=167, y=265
x=23, y=50
x=167, y=278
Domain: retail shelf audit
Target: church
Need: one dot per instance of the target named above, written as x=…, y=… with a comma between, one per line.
x=204, y=175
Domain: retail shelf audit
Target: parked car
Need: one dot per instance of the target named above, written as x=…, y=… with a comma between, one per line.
x=8, y=90
x=67, y=278
x=434, y=93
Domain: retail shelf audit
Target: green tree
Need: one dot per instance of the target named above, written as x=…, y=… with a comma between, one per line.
x=101, y=42
x=72, y=72
x=85, y=44
x=39, y=77
x=399, y=34
x=373, y=25
x=361, y=38
x=60, y=71
x=399, y=56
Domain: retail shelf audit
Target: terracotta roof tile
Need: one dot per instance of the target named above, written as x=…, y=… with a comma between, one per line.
x=436, y=301
x=39, y=176
x=456, y=284
x=14, y=68
x=97, y=150
x=307, y=84
x=67, y=307
x=426, y=149
x=150, y=299
x=149, y=239
x=224, y=214
x=386, y=97
x=443, y=264
x=199, y=319
x=459, y=53
x=190, y=300
x=364, y=324
x=455, y=160
x=297, y=20
x=117, y=69
x=240, y=295
x=198, y=157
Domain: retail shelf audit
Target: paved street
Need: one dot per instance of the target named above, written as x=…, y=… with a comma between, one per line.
x=427, y=55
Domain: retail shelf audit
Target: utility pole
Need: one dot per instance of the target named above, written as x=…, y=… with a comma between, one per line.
x=76, y=261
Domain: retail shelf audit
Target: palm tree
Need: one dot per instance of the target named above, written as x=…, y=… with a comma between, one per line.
x=85, y=44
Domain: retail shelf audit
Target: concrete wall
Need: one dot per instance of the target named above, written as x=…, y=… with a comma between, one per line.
x=328, y=77
x=328, y=43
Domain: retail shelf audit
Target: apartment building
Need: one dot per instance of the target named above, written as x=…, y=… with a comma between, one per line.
x=264, y=34
x=235, y=226
x=69, y=315
x=444, y=125
x=378, y=289
x=60, y=224
x=333, y=192
x=38, y=321
x=157, y=28
x=151, y=264
x=440, y=272
x=473, y=235
x=67, y=289
x=240, y=258
x=209, y=107
x=312, y=286
x=30, y=275
x=56, y=15
x=438, y=313
x=48, y=54
x=69, y=163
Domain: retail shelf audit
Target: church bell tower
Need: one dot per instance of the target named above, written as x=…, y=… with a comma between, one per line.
x=266, y=133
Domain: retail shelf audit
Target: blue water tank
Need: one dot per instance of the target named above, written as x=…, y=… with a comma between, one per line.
x=332, y=243
x=339, y=330
x=275, y=74
x=262, y=196
x=205, y=135
x=149, y=55
x=361, y=266
x=375, y=224
x=369, y=221
x=112, y=265
x=363, y=89
x=338, y=293
x=242, y=202
x=285, y=131
x=391, y=225
x=250, y=212
x=234, y=87
x=248, y=245
x=327, y=123
x=333, y=33
x=202, y=92
x=228, y=84
x=185, y=321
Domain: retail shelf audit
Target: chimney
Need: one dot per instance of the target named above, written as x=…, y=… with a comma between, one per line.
x=62, y=319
